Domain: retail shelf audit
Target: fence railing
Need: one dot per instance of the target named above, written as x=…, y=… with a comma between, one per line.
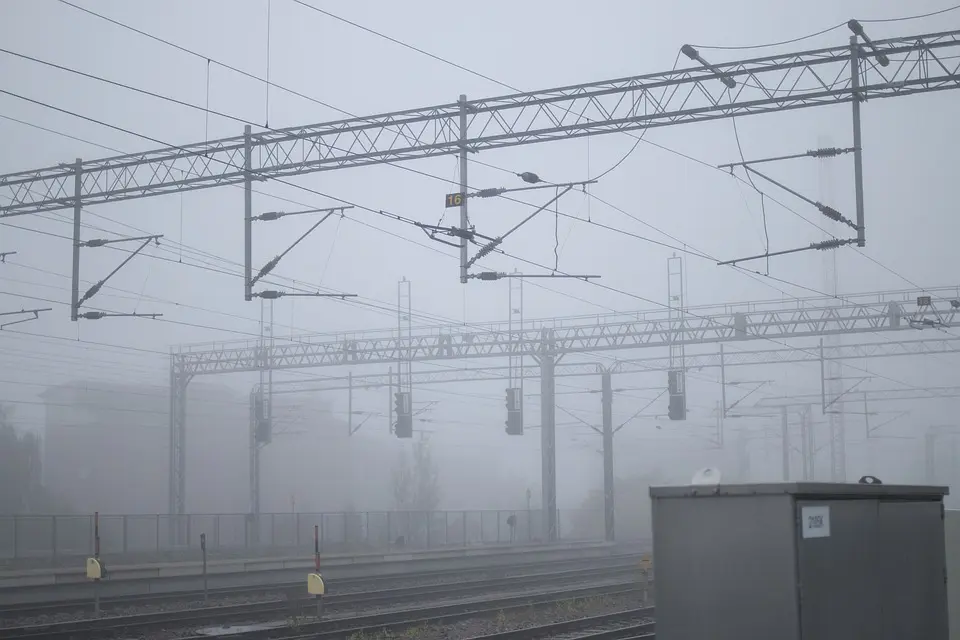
x=54, y=536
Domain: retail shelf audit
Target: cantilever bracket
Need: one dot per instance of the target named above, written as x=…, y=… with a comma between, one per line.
x=36, y=314
x=818, y=246
x=276, y=215
x=78, y=300
x=499, y=275
x=494, y=243
x=470, y=235
x=271, y=216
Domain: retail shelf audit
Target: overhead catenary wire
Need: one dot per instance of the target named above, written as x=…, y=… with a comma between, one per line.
x=504, y=253
x=809, y=36
x=638, y=138
x=377, y=211
x=195, y=106
x=456, y=65
x=394, y=216
x=761, y=338
x=647, y=300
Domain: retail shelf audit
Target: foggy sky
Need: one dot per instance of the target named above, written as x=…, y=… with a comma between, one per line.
x=909, y=146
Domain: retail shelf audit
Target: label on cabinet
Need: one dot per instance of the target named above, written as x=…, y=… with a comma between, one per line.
x=815, y=522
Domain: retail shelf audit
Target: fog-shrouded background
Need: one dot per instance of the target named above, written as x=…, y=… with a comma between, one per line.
x=96, y=392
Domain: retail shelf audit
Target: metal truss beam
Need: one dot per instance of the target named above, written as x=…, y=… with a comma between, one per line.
x=638, y=365
x=919, y=64
x=654, y=330
x=871, y=395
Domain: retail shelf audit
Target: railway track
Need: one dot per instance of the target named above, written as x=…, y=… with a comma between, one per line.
x=339, y=604
x=634, y=624
x=337, y=585
x=411, y=619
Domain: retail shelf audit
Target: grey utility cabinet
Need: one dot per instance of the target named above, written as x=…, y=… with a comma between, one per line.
x=799, y=561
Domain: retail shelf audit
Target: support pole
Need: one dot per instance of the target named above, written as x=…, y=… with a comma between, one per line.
x=804, y=447
x=823, y=382
x=785, y=435
x=806, y=444
x=178, y=451
x=464, y=219
x=350, y=403
x=247, y=215
x=609, y=512
x=548, y=435
x=77, y=208
x=96, y=554
x=743, y=458
x=254, y=523
x=174, y=444
x=929, y=460
x=857, y=142
x=723, y=384
x=390, y=402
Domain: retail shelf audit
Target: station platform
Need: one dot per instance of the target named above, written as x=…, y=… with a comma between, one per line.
x=38, y=585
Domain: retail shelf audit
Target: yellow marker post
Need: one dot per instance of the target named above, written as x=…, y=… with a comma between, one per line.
x=646, y=562
x=315, y=586
x=94, y=569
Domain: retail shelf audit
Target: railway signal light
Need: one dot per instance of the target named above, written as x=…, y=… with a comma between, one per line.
x=404, y=407
x=514, y=412
x=677, y=408
x=263, y=426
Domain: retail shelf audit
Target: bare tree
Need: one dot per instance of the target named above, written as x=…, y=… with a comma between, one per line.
x=427, y=477
x=20, y=490
x=416, y=482
x=402, y=476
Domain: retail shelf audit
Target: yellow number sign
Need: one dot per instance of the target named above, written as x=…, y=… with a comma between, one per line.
x=454, y=200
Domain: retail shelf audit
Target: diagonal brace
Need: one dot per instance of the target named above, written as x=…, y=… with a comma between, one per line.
x=639, y=411
x=490, y=246
x=826, y=210
x=825, y=245
x=270, y=266
x=92, y=291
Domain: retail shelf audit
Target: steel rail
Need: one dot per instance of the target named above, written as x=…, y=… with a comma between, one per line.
x=339, y=584
x=96, y=628
x=619, y=625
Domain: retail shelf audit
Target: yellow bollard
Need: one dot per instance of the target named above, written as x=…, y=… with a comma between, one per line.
x=646, y=562
x=316, y=588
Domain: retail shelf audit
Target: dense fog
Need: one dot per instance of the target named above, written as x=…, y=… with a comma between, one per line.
x=87, y=411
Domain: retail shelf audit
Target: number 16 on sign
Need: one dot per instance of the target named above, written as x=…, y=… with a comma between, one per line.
x=454, y=200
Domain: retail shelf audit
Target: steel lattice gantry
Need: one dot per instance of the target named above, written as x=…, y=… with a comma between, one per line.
x=759, y=321
x=655, y=330
x=827, y=76
x=790, y=355
x=832, y=75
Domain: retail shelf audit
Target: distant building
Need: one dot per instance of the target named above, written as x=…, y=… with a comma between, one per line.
x=107, y=447
x=101, y=441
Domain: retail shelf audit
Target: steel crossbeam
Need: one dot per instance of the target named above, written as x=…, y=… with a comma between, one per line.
x=867, y=313
x=919, y=64
x=872, y=395
x=455, y=343
x=928, y=346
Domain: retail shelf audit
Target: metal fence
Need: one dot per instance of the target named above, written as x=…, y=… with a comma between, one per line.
x=56, y=536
